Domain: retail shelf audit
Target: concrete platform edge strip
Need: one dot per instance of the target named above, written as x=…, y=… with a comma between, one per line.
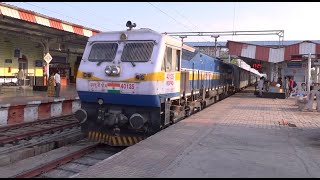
x=36, y=110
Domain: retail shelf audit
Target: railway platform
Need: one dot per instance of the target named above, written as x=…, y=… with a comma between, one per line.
x=240, y=136
x=22, y=104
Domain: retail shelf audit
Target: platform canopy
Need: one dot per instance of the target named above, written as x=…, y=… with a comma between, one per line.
x=36, y=27
x=273, y=54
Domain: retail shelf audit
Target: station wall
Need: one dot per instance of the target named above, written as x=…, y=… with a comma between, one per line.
x=32, y=51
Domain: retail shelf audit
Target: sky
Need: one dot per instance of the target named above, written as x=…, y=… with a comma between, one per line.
x=298, y=20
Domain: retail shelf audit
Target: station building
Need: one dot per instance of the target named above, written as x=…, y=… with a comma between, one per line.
x=26, y=36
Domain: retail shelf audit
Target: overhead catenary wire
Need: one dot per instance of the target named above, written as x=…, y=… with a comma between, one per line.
x=118, y=24
x=181, y=15
x=170, y=16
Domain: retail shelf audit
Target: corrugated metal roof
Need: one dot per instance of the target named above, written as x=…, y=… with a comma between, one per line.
x=13, y=11
x=27, y=17
x=259, y=43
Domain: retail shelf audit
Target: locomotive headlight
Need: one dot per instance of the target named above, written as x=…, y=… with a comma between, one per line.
x=100, y=101
x=116, y=70
x=108, y=70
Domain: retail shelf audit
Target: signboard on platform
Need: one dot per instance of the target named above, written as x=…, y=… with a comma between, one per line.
x=8, y=61
x=38, y=63
x=17, y=53
x=47, y=58
x=316, y=62
x=294, y=71
x=294, y=65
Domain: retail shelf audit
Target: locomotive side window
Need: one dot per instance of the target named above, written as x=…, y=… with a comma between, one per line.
x=168, y=59
x=172, y=60
x=137, y=52
x=163, y=65
x=178, y=60
x=103, y=52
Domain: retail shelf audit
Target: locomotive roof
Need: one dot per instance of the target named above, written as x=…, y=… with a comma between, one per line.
x=141, y=30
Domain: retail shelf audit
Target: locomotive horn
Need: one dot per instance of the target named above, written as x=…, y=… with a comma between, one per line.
x=130, y=25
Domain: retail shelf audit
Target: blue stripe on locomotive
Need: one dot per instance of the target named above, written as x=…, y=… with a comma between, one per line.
x=125, y=99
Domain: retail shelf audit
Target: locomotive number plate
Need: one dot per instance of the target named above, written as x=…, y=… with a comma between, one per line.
x=113, y=87
x=128, y=88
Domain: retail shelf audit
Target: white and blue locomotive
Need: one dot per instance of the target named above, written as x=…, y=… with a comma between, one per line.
x=134, y=83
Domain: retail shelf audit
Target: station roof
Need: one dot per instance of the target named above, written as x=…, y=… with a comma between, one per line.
x=269, y=51
x=37, y=27
x=272, y=54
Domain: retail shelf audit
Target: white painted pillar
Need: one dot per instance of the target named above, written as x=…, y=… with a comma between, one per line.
x=76, y=105
x=271, y=72
x=4, y=108
x=317, y=78
x=56, y=107
x=309, y=74
x=45, y=52
x=276, y=73
x=31, y=111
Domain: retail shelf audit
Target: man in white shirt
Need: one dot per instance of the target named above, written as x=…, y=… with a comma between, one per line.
x=260, y=85
x=57, y=80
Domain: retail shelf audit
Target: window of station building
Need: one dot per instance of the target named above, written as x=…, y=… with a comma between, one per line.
x=103, y=52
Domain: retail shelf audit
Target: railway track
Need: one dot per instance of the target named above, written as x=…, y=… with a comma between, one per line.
x=71, y=162
x=18, y=142
x=25, y=131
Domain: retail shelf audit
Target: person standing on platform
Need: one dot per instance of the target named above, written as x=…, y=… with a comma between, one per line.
x=51, y=86
x=58, y=85
x=286, y=86
x=290, y=86
x=260, y=85
x=19, y=77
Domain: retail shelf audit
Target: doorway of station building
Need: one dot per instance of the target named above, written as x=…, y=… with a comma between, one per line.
x=59, y=63
x=23, y=66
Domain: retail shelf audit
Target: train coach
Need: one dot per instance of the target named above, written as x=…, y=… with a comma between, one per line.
x=134, y=83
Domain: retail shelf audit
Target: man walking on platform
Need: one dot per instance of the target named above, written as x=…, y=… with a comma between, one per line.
x=57, y=79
